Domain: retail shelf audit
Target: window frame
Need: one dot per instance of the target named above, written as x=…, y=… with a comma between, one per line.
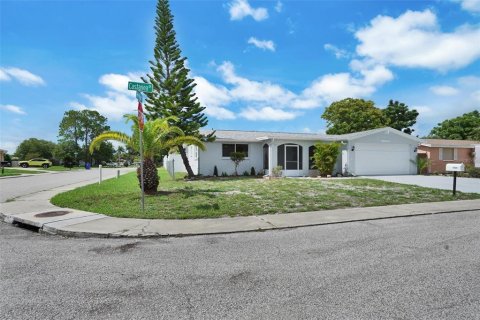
x=235, y=149
x=453, y=154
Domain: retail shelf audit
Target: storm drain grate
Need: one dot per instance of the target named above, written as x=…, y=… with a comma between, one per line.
x=50, y=214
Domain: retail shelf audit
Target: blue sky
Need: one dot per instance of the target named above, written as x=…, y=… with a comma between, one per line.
x=258, y=65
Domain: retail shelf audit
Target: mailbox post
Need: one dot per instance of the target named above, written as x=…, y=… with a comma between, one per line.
x=455, y=167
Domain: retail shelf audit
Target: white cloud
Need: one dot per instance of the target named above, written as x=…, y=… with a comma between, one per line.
x=4, y=76
x=114, y=105
x=240, y=9
x=262, y=44
x=339, y=53
x=267, y=114
x=254, y=91
x=470, y=5
x=25, y=77
x=12, y=108
x=119, y=82
x=213, y=98
x=279, y=6
x=414, y=39
x=337, y=86
x=444, y=90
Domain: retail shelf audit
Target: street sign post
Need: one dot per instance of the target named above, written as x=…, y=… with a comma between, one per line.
x=140, y=86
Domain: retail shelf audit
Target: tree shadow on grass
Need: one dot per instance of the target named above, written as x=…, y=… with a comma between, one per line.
x=188, y=192
x=213, y=206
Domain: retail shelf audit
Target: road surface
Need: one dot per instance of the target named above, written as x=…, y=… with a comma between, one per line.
x=425, y=267
x=16, y=186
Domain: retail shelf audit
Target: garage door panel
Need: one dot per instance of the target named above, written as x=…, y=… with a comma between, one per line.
x=382, y=159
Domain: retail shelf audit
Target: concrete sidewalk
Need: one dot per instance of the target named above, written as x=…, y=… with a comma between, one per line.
x=37, y=211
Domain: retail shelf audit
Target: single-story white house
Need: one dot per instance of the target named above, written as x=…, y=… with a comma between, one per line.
x=383, y=151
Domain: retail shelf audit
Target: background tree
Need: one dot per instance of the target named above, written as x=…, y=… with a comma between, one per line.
x=173, y=93
x=353, y=115
x=400, y=117
x=158, y=135
x=464, y=127
x=35, y=148
x=237, y=157
x=80, y=127
x=325, y=156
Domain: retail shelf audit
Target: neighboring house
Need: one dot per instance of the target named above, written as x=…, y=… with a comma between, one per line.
x=2, y=154
x=383, y=151
x=441, y=151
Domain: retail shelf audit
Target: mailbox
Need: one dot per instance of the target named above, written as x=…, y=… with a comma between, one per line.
x=455, y=167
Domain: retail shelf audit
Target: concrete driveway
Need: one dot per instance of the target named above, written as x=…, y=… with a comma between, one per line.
x=437, y=182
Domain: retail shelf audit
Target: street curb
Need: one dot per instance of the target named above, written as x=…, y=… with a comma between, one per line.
x=45, y=229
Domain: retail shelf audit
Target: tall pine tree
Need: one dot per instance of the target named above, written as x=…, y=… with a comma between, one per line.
x=173, y=93
x=401, y=118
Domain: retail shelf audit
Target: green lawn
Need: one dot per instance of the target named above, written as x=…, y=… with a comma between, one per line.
x=8, y=172
x=62, y=168
x=242, y=196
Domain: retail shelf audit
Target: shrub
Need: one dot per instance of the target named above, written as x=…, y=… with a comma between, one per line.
x=245, y=173
x=277, y=171
x=215, y=171
x=472, y=171
x=422, y=164
x=237, y=157
x=325, y=157
x=252, y=171
x=224, y=174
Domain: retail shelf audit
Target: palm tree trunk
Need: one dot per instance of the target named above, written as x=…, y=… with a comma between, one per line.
x=150, y=176
x=186, y=163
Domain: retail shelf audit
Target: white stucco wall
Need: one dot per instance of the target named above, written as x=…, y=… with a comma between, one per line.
x=213, y=157
x=175, y=160
x=383, y=138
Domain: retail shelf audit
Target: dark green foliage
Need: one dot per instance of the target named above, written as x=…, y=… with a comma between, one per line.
x=252, y=171
x=325, y=157
x=422, y=164
x=77, y=130
x=173, y=91
x=400, y=117
x=68, y=162
x=465, y=127
x=472, y=171
x=35, y=148
x=237, y=157
x=353, y=115
x=215, y=171
x=224, y=174
x=8, y=157
x=245, y=173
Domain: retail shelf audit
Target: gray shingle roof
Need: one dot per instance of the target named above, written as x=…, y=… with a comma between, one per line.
x=256, y=136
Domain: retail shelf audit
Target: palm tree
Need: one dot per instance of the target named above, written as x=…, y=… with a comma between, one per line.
x=158, y=136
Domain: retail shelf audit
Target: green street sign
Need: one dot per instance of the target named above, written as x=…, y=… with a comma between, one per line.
x=140, y=86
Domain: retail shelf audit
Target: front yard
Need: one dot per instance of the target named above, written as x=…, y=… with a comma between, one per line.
x=242, y=196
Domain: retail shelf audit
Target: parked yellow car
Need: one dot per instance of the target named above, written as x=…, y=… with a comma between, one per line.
x=37, y=162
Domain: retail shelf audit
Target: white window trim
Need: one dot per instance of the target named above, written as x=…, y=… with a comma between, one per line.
x=235, y=144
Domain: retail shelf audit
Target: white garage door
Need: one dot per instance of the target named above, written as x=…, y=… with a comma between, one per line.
x=382, y=158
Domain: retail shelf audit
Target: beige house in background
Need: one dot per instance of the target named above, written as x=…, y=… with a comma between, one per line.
x=2, y=154
x=441, y=151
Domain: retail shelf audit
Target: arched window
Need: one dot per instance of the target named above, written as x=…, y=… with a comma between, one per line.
x=290, y=156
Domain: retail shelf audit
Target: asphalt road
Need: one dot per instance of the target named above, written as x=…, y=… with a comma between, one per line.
x=425, y=267
x=22, y=185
